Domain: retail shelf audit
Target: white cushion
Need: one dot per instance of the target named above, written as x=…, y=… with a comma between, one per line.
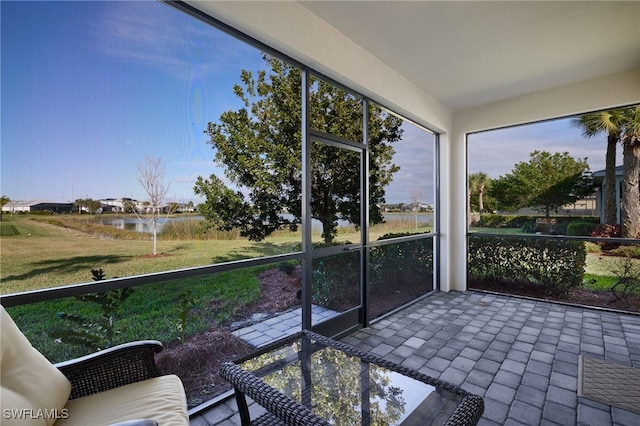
x=161, y=399
x=28, y=381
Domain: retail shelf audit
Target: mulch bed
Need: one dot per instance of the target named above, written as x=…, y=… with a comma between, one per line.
x=197, y=361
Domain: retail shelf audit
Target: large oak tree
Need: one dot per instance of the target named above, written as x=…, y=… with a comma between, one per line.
x=259, y=148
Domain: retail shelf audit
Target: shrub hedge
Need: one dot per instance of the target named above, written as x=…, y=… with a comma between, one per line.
x=580, y=228
x=555, y=266
x=528, y=223
x=409, y=263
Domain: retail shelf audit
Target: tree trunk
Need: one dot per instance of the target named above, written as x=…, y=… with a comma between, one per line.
x=630, y=213
x=155, y=232
x=469, y=206
x=481, y=199
x=610, y=210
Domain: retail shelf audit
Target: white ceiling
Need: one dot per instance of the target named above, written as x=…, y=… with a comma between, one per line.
x=467, y=54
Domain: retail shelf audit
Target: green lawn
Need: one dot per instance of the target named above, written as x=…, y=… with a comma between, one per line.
x=42, y=255
x=151, y=312
x=36, y=254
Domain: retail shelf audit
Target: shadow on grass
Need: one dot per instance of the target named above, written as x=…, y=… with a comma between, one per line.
x=7, y=230
x=261, y=249
x=68, y=265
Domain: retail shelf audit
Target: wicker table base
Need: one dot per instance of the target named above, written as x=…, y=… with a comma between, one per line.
x=309, y=379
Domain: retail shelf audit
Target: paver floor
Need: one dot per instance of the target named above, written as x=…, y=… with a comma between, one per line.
x=520, y=355
x=280, y=326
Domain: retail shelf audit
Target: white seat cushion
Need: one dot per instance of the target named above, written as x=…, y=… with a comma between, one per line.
x=161, y=399
x=29, y=384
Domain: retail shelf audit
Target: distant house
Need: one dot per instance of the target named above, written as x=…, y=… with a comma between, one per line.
x=599, y=185
x=117, y=205
x=27, y=206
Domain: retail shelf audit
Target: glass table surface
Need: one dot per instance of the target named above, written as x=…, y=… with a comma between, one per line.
x=344, y=389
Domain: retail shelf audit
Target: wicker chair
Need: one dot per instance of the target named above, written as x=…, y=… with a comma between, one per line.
x=120, y=385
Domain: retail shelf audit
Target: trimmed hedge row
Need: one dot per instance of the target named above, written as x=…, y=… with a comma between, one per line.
x=409, y=263
x=572, y=225
x=556, y=266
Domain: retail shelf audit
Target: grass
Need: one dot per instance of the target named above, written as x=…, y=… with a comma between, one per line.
x=151, y=312
x=44, y=255
x=599, y=283
x=40, y=254
x=53, y=251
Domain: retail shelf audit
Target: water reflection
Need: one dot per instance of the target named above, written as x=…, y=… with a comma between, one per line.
x=347, y=390
x=138, y=224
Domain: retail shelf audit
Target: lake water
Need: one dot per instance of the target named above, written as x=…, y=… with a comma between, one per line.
x=137, y=224
x=144, y=225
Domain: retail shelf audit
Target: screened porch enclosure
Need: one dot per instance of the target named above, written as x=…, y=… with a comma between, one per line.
x=379, y=100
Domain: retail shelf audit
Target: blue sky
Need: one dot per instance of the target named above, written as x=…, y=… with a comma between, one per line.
x=496, y=152
x=90, y=89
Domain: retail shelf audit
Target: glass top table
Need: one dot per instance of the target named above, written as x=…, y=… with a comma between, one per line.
x=310, y=379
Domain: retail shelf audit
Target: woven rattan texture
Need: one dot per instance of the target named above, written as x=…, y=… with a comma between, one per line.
x=292, y=413
x=111, y=368
x=612, y=384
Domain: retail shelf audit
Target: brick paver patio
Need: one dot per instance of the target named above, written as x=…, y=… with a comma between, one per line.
x=520, y=355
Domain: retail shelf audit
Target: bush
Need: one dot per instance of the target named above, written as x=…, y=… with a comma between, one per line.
x=400, y=264
x=556, y=266
x=502, y=221
x=592, y=247
x=607, y=231
x=627, y=251
x=529, y=227
x=628, y=279
x=580, y=228
x=336, y=281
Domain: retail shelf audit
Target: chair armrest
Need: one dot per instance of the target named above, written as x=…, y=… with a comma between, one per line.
x=277, y=403
x=110, y=368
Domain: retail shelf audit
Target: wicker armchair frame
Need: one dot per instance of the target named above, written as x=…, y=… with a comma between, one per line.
x=284, y=410
x=111, y=368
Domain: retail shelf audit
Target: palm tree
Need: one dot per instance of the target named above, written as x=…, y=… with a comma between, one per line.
x=630, y=138
x=477, y=185
x=609, y=122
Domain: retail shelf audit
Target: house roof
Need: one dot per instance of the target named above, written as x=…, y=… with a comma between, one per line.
x=30, y=203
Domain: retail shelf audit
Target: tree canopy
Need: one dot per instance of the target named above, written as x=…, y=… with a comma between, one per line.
x=547, y=182
x=260, y=149
x=89, y=204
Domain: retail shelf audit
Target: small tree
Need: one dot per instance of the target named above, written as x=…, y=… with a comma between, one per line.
x=91, y=205
x=478, y=185
x=547, y=182
x=417, y=198
x=3, y=201
x=151, y=177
